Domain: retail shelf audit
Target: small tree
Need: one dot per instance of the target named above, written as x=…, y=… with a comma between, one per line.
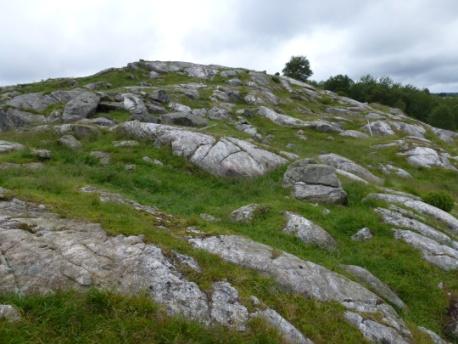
x=298, y=68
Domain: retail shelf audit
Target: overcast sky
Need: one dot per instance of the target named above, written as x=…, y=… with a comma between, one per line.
x=413, y=41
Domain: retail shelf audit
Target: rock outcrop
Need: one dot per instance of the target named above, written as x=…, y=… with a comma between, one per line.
x=228, y=156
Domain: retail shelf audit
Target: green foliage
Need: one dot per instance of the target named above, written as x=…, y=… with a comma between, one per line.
x=440, y=199
x=443, y=117
x=436, y=110
x=298, y=68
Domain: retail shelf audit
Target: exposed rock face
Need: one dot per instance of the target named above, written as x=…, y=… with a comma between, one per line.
x=307, y=231
x=409, y=129
x=420, y=207
x=390, y=169
x=280, y=119
x=44, y=253
x=373, y=331
x=363, y=234
x=381, y=128
x=347, y=165
x=354, y=133
x=225, y=157
x=447, y=136
x=226, y=308
x=398, y=220
x=32, y=101
x=324, y=126
x=380, y=288
x=184, y=118
x=314, y=182
x=9, y=313
x=245, y=213
x=436, y=339
x=289, y=333
x=308, y=279
x=81, y=106
x=427, y=157
x=70, y=141
x=440, y=255
x=7, y=146
x=14, y=119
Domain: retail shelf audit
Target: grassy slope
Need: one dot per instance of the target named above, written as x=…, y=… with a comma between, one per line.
x=184, y=191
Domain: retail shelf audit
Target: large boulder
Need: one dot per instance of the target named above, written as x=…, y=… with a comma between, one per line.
x=307, y=231
x=314, y=182
x=281, y=119
x=184, y=118
x=13, y=119
x=32, y=101
x=380, y=128
x=341, y=163
x=82, y=106
x=427, y=157
x=224, y=157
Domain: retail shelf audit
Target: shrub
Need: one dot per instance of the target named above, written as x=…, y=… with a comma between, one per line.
x=441, y=200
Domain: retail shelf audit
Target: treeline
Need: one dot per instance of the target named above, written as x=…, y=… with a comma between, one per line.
x=438, y=110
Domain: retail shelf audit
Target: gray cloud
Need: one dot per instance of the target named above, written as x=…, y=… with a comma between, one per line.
x=411, y=41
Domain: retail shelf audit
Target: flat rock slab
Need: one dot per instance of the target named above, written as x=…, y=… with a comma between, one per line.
x=227, y=156
x=306, y=278
x=7, y=146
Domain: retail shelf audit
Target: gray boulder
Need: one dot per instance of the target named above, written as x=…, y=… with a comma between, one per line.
x=324, y=126
x=380, y=128
x=288, y=332
x=226, y=308
x=12, y=118
x=224, y=157
x=245, y=213
x=7, y=146
x=185, y=119
x=377, y=286
x=9, y=313
x=347, y=165
x=363, y=234
x=354, y=133
x=280, y=119
x=440, y=255
x=314, y=182
x=308, y=232
x=82, y=106
x=427, y=157
x=70, y=141
x=32, y=101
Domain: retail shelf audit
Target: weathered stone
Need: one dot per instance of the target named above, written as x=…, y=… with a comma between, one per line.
x=310, y=173
x=288, y=332
x=9, y=313
x=377, y=286
x=245, y=213
x=225, y=157
x=45, y=253
x=280, y=119
x=399, y=220
x=226, y=308
x=409, y=129
x=354, y=133
x=319, y=193
x=374, y=331
x=447, y=136
x=32, y=101
x=7, y=146
x=136, y=106
x=187, y=261
x=324, y=126
x=180, y=107
x=381, y=128
x=209, y=218
x=419, y=206
x=440, y=255
x=306, y=278
x=363, y=234
x=308, y=232
x=11, y=119
x=436, y=339
x=390, y=169
x=426, y=157
x=70, y=141
x=104, y=158
x=81, y=107
x=347, y=165
x=42, y=154
x=218, y=113
x=150, y=161
x=184, y=119
x=125, y=143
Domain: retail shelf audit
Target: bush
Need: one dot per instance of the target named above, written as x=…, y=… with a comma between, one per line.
x=441, y=200
x=298, y=68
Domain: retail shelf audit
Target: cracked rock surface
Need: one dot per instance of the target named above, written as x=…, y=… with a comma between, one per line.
x=308, y=279
x=224, y=157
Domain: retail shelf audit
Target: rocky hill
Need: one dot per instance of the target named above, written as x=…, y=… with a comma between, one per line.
x=172, y=202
